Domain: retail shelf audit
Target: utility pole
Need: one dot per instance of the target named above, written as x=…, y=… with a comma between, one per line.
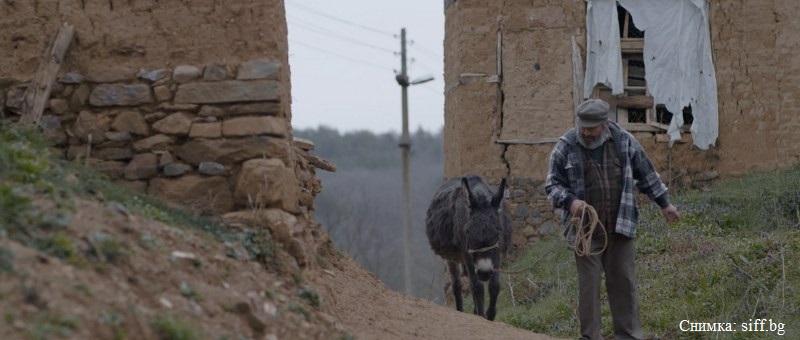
x=405, y=146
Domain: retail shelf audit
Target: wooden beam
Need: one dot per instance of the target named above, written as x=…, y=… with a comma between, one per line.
x=631, y=45
x=38, y=92
x=635, y=102
x=577, y=75
x=527, y=141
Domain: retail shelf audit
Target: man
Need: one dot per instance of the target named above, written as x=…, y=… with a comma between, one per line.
x=597, y=164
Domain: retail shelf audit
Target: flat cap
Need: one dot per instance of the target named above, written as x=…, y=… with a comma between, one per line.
x=592, y=112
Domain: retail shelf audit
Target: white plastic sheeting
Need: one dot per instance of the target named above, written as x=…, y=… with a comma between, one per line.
x=603, y=58
x=677, y=57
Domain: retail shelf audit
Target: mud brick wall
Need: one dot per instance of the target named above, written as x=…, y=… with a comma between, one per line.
x=508, y=76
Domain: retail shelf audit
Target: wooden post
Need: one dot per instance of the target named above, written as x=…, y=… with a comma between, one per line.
x=38, y=92
x=577, y=75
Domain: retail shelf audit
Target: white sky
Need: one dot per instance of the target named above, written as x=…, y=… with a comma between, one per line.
x=343, y=56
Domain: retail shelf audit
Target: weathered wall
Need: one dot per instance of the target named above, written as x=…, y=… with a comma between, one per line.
x=758, y=75
x=472, y=115
x=527, y=102
x=185, y=100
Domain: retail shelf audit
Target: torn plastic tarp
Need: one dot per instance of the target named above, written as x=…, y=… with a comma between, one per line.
x=603, y=58
x=677, y=57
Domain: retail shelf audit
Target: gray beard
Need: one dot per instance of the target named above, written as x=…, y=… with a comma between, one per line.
x=604, y=136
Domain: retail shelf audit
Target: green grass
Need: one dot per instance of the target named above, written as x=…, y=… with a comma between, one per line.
x=170, y=328
x=49, y=325
x=732, y=258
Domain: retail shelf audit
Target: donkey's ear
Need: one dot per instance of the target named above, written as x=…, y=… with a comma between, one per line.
x=467, y=193
x=497, y=199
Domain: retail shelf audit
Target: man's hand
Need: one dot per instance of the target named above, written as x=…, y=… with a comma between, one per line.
x=576, y=207
x=671, y=214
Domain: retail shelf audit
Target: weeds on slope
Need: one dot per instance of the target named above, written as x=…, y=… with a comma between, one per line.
x=731, y=259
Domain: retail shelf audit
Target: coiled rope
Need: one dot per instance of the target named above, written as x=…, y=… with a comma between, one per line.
x=584, y=229
x=583, y=237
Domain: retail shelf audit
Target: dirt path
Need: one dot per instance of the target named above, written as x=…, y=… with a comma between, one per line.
x=178, y=280
x=369, y=310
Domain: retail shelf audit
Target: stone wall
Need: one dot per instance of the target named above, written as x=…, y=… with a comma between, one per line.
x=508, y=96
x=187, y=101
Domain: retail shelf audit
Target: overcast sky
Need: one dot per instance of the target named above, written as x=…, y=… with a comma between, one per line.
x=343, y=57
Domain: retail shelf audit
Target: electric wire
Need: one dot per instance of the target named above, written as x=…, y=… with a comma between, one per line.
x=311, y=27
x=382, y=67
x=427, y=52
x=311, y=10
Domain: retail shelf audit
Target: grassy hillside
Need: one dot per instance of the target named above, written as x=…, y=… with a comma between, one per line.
x=732, y=258
x=83, y=258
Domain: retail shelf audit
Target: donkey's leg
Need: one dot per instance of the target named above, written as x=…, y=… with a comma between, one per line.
x=453, y=267
x=494, y=289
x=477, y=290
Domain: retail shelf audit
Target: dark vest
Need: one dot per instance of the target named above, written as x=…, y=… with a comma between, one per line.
x=602, y=173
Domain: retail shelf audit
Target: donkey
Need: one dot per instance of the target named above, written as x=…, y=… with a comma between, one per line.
x=468, y=225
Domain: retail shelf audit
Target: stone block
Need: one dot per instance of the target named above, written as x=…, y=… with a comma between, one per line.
x=253, y=126
x=174, y=124
x=185, y=73
x=156, y=142
x=91, y=126
x=142, y=166
x=258, y=69
x=176, y=169
x=58, y=106
x=211, y=168
x=153, y=75
x=215, y=72
x=267, y=183
x=260, y=109
x=228, y=151
x=120, y=95
x=132, y=122
x=162, y=93
x=228, y=91
x=71, y=78
x=79, y=97
x=206, y=130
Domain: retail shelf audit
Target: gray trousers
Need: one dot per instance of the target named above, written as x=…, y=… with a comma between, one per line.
x=618, y=263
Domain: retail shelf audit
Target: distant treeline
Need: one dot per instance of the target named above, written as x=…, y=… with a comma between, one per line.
x=361, y=204
x=367, y=150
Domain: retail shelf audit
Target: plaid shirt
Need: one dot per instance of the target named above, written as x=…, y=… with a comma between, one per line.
x=565, y=181
x=603, y=184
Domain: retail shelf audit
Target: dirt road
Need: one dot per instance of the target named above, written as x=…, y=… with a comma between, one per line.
x=369, y=310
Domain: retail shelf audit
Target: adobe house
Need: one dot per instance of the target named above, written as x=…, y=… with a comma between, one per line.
x=515, y=71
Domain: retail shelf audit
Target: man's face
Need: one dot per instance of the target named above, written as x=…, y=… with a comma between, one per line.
x=590, y=134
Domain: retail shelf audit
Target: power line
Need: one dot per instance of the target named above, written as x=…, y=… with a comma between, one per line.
x=311, y=10
x=317, y=29
x=426, y=51
x=382, y=67
x=422, y=66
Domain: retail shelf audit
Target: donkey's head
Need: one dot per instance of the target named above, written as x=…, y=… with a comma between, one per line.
x=484, y=228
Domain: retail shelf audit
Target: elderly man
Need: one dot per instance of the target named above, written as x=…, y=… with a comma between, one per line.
x=597, y=164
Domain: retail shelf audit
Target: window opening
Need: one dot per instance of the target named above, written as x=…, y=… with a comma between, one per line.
x=663, y=116
x=634, y=106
